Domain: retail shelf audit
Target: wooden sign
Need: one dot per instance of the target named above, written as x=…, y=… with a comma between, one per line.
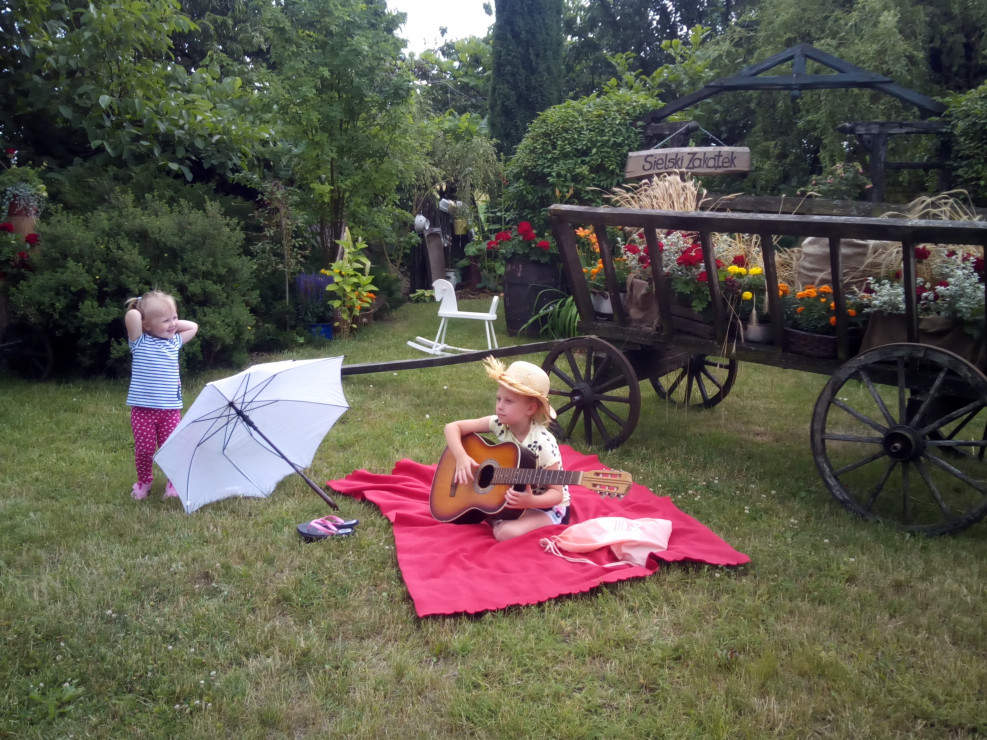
x=709, y=160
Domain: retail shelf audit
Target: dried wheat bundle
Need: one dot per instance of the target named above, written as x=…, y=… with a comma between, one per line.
x=953, y=205
x=948, y=206
x=669, y=192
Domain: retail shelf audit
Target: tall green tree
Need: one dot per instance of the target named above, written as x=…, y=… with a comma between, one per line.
x=527, y=66
x=918, y=45
x=84, y=80
x=344, y=105
x=456, y=76
x=598, y=29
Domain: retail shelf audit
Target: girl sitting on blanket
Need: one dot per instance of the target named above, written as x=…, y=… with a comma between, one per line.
x=522, y=411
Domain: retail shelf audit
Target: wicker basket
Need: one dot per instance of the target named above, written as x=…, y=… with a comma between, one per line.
x=820, y=345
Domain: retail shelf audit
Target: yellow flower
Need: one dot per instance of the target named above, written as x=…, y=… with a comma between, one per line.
x=746, y=295
x=734, y=269
x=754, y=271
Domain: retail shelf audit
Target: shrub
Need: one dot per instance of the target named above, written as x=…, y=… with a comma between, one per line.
x=576, y=149
x=968, y=126
x=91, y=263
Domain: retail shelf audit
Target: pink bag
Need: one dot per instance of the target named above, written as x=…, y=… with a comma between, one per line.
x=631, y=540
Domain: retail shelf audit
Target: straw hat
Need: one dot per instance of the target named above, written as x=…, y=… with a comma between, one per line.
x=523, y=378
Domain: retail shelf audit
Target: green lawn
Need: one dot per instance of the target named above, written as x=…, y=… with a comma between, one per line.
x=131, y=619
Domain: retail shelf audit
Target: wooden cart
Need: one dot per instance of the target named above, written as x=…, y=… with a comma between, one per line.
x=898, y=432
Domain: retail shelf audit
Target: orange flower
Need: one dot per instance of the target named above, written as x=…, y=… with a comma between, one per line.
x=832, y=306
x=851, y=312
x=800, y=309
x=824, y=289
x=832, y=321
x=783, y=290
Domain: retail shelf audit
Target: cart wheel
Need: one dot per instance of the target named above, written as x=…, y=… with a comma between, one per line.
x=594, y=382
x=701, y=383
x=29, y=352
x=899, y=434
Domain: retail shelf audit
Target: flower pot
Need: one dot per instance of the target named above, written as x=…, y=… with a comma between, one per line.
x=528, y=287
x=23, y=217
x=685, y=320
x=602, y=305
x=323, y=331
x=820, y=345
x=809, y=344
x=757, y=333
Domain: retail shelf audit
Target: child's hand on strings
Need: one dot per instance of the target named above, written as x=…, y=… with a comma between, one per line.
x=465, y=465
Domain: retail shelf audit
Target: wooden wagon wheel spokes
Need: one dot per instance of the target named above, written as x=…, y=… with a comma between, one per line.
x=595, y=390
x=707, y=381
x=899, y=434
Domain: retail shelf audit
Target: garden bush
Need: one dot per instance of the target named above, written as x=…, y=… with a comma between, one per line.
x=968, y=126
x=574, y=150
x=90, y=263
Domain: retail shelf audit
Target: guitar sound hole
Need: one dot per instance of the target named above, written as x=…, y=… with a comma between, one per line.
x=484, y=475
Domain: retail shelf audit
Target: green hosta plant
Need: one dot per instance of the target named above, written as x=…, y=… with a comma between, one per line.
x=352, y=288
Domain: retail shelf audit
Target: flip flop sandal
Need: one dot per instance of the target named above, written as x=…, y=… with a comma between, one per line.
x=339, y=522
x=320, y=529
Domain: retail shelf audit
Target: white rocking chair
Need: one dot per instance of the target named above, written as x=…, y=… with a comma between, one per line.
x=445, y=293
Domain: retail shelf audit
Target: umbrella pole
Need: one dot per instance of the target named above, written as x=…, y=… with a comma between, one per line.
x=314, y=486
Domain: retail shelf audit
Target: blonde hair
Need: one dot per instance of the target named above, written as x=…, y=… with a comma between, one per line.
x=141, y=303
x=525, y=379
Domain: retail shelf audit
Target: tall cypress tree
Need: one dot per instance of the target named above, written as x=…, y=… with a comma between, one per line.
x=527, y=66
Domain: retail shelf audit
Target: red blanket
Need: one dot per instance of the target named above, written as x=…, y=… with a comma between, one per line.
x=454, y=568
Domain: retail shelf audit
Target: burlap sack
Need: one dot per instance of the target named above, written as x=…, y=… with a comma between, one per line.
x=640, y=303
x=861, y=259
x=932, y=330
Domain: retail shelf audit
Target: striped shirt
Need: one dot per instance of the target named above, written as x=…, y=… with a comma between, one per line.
x=154, y=379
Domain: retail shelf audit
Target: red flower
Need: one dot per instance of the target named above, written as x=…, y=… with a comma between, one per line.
x=702, y=277
x=503, y=236
x=31, y=239
x=632, y=249
x=7, y=226
x=740, y=260
x=492, y=245
x=691, y=257
x=719, y=263
x=23, y=256
x=523, y=227
x=978, y=265
x=922, y=254
x=10, y=152
x=645, y=262
x=544, y=244
x=661, y=246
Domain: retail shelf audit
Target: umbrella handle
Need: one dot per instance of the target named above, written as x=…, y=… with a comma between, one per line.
x=314, y=485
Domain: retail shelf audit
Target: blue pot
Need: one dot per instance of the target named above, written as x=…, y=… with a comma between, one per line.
x=321, y=330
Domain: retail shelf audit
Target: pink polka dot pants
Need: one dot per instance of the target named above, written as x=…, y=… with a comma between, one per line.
x=151, y=428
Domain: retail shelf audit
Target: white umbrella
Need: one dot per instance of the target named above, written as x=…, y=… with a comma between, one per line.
x=245, y=433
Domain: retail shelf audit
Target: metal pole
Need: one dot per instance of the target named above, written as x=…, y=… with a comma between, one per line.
x=249, y=422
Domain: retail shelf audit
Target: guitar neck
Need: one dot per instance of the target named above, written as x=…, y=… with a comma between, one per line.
x=533, y=477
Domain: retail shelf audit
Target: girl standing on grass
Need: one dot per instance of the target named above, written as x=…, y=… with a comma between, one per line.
x=522, y=411
x=156, y=334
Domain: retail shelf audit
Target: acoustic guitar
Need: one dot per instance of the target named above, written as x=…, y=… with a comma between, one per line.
x=501, y=466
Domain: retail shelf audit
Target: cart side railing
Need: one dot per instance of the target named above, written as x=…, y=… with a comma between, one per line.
x=910, y=233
